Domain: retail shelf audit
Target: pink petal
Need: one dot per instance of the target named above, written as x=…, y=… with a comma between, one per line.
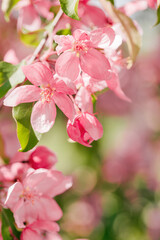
x=114, y=85
x=38, y=74
x=29, y=19
x=29, y=234
x=102, y=37
x=132, y=7
x=91, y=125
x=61, y=183
x=64, y=85
x=49, y=209
x=81, y=35
x=83, y=100
x=11, y=57
x=43, y=8
x=26, y=211
x=67, y=65
x=45, y=225
x=42, y=157
x=65, y=104
x=13, y=194
x=43, y=116
x=64, y=43
x=95, y=64
x=23, y=94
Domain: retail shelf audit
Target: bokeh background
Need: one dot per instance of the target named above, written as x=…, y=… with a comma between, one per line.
x=116, y=191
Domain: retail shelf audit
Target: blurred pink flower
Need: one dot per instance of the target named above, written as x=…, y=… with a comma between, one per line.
x=32, y=200
x=41, y=230
x=30, y=12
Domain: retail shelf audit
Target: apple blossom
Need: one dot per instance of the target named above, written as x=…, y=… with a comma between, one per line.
x=32, y=200
x=79, y=52
x=49, y=93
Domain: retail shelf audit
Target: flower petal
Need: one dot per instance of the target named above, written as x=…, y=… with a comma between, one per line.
x=64, y=85
x=67, y=65
x=114, y=85
x=83, y=100
x=65, y=104
x=92, y=125
x=43, y=116
x=29, y=19
x=14, y=192
x=102, y=37
x=64, y=42
x=95, y=64
x=23, y=94
x=38, y=74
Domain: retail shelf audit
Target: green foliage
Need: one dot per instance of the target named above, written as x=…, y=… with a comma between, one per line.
x=32, y=38
x=66, y=31
x=70, y=8
x=7, y=7
x=7, y=224
x=158, y=16
x=112, y=1
x=27, y=137
x=10, y=76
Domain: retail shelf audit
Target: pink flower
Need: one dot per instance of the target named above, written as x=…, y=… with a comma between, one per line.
x=52, y=90
x=152, y=3
x=30, y=12
x=11, y=57
x=80, y=52
x=32, y=200
x=41, y=230
x=42, y=157
x=85, y=129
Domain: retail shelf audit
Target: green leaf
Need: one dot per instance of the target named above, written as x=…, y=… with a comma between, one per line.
x=66, y=31
x=158, y=16
x=133, y=36
x=70, y=8
x=10, y=76
x=112, y=1
x=32, y=38
x=7, y=223
x=27, y=137
x=7, y=6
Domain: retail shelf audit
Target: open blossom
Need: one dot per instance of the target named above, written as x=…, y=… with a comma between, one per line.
x=84, y=129
x=30, y=12
x=41, y=230
x=80, y=52
x=32, y=200
x=52, y=90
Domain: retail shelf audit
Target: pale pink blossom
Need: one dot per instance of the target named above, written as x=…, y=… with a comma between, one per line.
x=84, y=129
x=134, y=6
x=52, y=90
x=11, y=57
x=31, y=200
x=30, y=12
x=82, y=52
x=41, y=230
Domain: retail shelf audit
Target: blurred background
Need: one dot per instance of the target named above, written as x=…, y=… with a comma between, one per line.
x=116, y=191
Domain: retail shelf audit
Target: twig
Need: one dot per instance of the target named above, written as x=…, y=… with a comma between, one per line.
x=45, y=37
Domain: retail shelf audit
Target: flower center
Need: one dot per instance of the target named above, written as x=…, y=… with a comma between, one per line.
x=80, y=46
x=27, y=195
x=47, y=94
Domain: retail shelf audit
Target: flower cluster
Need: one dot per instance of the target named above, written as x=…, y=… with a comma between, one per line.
x=29, y=183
